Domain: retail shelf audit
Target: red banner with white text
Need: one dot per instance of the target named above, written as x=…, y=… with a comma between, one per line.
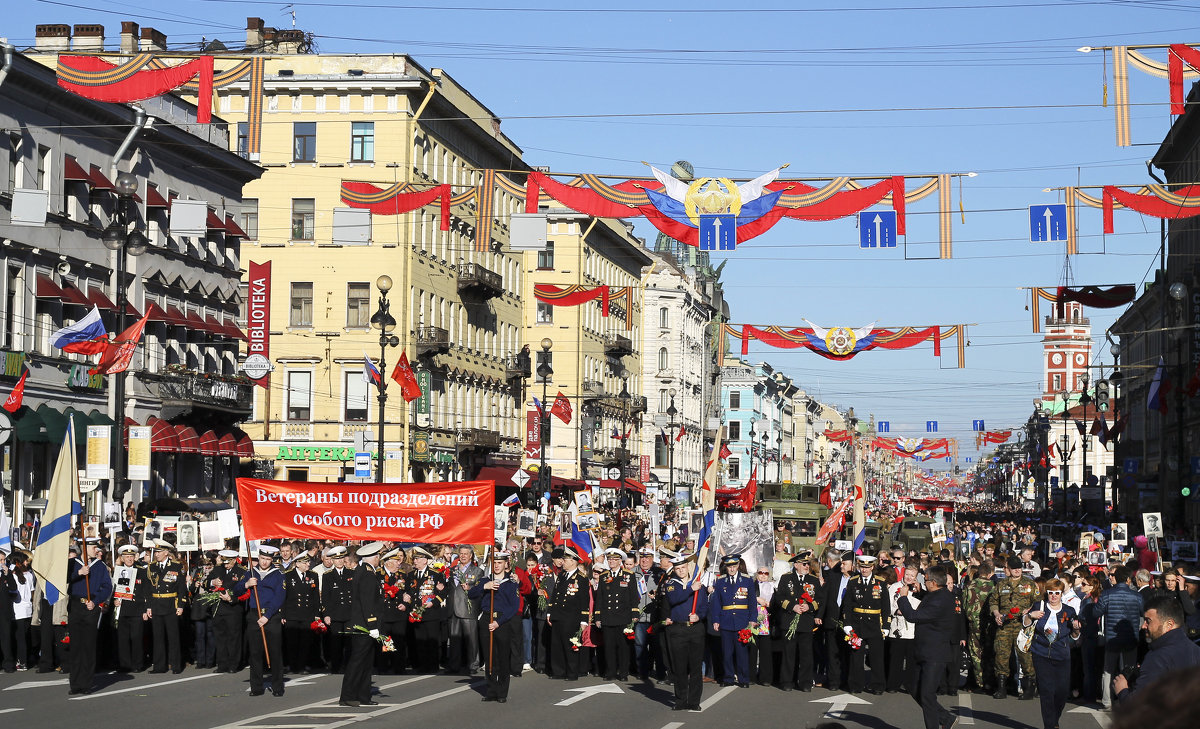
x=455, y=512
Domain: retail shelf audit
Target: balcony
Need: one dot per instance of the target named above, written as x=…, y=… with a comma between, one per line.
x=478, y=438
x=297, y=431
x=432, y=340
x=593, y=390
x=183, y=391
x=637, y=404
x=517, y=367
x=478, y=281
x=617, y=345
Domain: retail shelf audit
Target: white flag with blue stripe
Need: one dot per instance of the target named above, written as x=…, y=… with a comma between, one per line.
x=62, y=506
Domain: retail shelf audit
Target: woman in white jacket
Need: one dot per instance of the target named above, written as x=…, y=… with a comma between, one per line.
x=901, y=675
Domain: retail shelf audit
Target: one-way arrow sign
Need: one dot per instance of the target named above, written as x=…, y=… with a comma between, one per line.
x=586, y=691
x=877, y=229
x=1047, y=223
x=838, y=704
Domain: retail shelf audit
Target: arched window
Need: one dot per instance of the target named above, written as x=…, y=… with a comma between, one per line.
x=664, y=359
x=664, y=318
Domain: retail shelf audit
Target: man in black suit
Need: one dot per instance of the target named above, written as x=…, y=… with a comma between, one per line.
x=936, y=619
x=365, y=607
x=829, y=617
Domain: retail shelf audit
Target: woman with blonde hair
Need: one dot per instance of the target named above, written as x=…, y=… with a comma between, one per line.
x=1055, y=629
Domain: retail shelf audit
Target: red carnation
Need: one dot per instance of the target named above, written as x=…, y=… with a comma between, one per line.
x=245, y=596
x=391, y=591
x=66, y=640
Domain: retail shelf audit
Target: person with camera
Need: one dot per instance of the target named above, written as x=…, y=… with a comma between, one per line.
x=1170, y=649
x=1056, y=629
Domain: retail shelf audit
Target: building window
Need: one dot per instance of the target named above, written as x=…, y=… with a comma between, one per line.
x=243, y=140
x=664, y=318
x=735, y=430
x=43, y=169
x=664, y=401
x=304, y=142
x=546, y=257
x=299, y=395
x=354, y=409
x=664, y=359
x=303, y=215
x=358, y=305
x=545, y=313
x=362, y=142
x=250, y=218
x=735, y=400
x=1057, y=383
x=14, y=161
x=301, y=305
x=662, y=454
x=735, y=468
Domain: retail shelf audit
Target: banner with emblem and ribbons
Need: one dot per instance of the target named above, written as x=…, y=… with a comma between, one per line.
x=453, y=512
x=843, y=343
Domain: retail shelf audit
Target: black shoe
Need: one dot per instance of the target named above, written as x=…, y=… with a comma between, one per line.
x=1000, y=692
x=502, y=701
x=680, y=707
x=952, y=722
x=348, y=703
x=259, y=692
x=157, y=670
x=786, y=688
x=369, y=702
x=277, y=693
x=694, y=707
x=177, y=671
x=743, y=684
x=74, y=692
x=875, y=692
x=806, y=689
x=489, y=698
x=952, y=692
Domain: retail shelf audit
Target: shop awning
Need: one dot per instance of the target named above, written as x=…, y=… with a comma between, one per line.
x=245, y=447
x=56, y=424
x=206, y=505
x=72, y=171
x=47, y=289
x=208, y=444
x=162, y=436
x=214, y=326
x=232, y=228
x=29, y=426
x=631, y=484
x=231, y=329
x=130, y=310
x=227, y=445
x=189, y=442
x=97, y=297
x=212, y=222
x=156, y=313
x=99, y=181
x=154, y=199
x=72, y=295
x=502, y=475
x=176, y=317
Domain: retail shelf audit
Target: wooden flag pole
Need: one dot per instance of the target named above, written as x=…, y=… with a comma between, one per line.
x=491, y=633
x=261, y=630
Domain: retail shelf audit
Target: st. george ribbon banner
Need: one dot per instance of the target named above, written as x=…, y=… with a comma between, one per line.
x=452, y=512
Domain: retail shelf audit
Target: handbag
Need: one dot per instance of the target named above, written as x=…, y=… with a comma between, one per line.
x=1025, y=637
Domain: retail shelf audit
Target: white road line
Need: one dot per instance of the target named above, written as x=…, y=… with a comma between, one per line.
x=307, y=709
x=39, y=684
x=673, y=725
x=9, y=711
x=707, y=703
x=102, y=693
x=966, y=712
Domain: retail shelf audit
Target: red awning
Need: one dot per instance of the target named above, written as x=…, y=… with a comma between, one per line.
x=97, y=297
x=131, y=311
x=213, y=222
x=156, y=313
x=502, y=475
x=245, y=447
x=227, y=445
x=632, y=484
x=189, y=442
x=233, y=330
x=154, y=199
x=47, y=289
x=176, y=317
x=72, y=295
x=214, y=326
x=196, y=322
x=162, y=436
x=72, y=172
x=208, y=443
x=99, y=181
x=232, y=228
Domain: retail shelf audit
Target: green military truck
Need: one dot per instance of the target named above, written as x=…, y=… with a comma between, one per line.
x=805, y=514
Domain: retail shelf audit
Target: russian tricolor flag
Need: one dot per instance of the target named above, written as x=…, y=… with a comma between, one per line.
x=511, y=501
x=371, y=374
x=86, y=336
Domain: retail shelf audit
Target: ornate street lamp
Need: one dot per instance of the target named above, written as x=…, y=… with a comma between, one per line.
x=385, y=323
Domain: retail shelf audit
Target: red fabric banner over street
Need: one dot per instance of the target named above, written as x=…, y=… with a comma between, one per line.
x=439, y=513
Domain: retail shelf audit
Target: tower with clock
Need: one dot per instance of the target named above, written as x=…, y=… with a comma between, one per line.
x=1066, y=351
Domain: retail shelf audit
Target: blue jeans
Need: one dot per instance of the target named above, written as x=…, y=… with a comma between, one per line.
x=204, y=648
x=527, y=639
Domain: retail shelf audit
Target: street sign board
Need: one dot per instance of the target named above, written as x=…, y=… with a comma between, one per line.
x=718, y=233
x=1047, y=223
x=877, y=229
x=362, y=465
x=883, y=426
x=520, y=478
x=977, y=425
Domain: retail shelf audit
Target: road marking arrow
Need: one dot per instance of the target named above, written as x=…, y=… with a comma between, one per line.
x=838, y=704
x=304, y=680
x=1101, y=716
x=39, y=684
x=586, y=691
x=878, y=240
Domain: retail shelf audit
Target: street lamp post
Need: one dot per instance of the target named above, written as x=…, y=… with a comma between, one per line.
x=544, y=373
x=779, y=456
x=1066, y=447
x=385, y=323
x=1179, y=294
x=125, y=242
x=671, y=413
x=1086, y=437
x=624, y=374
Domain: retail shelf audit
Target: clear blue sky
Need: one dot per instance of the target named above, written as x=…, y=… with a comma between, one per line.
x=904, y=87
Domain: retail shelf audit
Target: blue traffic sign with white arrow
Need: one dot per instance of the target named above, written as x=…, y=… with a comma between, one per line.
x=1047, y=223
x=718, y=233
x=877, y=229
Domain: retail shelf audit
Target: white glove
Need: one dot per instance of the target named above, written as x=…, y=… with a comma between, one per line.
x=847, y=629
x=374, y=634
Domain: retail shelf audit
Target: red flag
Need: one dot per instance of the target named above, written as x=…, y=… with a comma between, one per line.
x=834, y=522
x=13, y=403
x=679, y=437
x=750, y=492
x=403, y=374
x=119, y=352
x=561, y=408
x=725, y=452
x=826, y=498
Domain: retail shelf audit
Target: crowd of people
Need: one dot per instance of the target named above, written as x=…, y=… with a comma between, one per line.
x=1011, y=617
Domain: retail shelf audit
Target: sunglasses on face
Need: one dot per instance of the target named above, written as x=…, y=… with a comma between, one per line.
x=1053, y=592
x=764, y=573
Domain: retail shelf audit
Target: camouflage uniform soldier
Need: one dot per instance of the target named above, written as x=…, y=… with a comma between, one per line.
x=1010, y=598
x=977, y=593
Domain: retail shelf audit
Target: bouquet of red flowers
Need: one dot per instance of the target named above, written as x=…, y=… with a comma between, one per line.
x=66, y=640
x=745, y=636
x=630, y=631
x=414, y=616
x=577, y=639
x=1013, y=613
x=245, y=596
x=391, y=591
x=318, y=626
x=852, y=637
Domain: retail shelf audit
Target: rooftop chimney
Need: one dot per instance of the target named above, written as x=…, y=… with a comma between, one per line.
x=152, y=40
x=88, y=37
x=129, y=37
x=268, y=40
x=290, y=40
x=53, y=38
x=254, y=33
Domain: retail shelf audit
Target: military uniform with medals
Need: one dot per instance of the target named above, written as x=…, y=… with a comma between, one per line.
x=83, y=622
x=796, y=592
x=301, y=607
x=618, y=600
x=227, y=614
x=867, y=609
x=733, y=607
x=567, y=614
x=427, y=596
x=168, y=595
x=336, y=588
x=130, y=616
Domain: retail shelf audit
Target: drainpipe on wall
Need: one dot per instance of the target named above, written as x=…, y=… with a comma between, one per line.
x=7, y=49
x=139, y=124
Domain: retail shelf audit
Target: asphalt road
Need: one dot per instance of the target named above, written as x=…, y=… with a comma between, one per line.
x=199, y=699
